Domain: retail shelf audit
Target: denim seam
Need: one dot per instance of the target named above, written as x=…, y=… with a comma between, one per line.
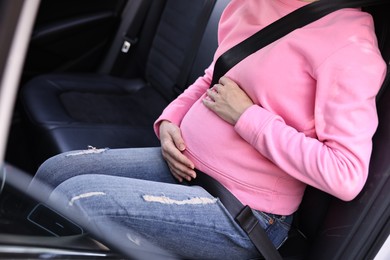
x=173, y=222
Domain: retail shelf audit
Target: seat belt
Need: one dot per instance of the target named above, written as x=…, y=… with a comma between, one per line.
x=296, y=19
x=182, y=79
x=136, y=12
x=243, y=215
x=131, y=35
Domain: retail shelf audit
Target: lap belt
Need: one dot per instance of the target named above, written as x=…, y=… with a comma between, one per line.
x=243, y=215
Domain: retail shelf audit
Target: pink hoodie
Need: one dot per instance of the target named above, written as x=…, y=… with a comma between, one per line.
x=314, y=114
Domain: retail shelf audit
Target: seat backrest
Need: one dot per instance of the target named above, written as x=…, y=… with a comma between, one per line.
x=176, y=31
x=170, y=27
x=209, y=42
x=382, y=28
x=331, y=225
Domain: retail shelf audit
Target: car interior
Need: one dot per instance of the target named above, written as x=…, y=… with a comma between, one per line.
x=98, y=73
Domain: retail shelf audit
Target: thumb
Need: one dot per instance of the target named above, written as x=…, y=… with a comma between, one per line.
x=178, y=140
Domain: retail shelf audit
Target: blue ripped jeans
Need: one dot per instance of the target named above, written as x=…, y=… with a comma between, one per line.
x=135, y=189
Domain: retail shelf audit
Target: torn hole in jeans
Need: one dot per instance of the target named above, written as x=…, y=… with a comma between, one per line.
x=191, y=201
x=90, y=150
x=85, y=195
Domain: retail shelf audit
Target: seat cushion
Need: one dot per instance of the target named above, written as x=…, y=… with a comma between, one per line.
x=57, y=99
x=76, y=137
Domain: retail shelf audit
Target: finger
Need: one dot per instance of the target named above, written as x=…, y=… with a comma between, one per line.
x=171, y=153
x=174, y=156
x=178, y=139
x=212, y=94
x=209, y=103
x=225, y=81
x=180, y=176
x=180, y=171
x=218, y=87
x=227, y=84
x=175, y=175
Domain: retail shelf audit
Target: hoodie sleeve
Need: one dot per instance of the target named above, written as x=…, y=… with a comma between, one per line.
x=345, y=114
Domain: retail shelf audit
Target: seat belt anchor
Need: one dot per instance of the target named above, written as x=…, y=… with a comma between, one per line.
x=127, y=43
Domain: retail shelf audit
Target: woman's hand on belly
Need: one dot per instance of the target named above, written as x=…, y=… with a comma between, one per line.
x=172, y=146
x=227, y=100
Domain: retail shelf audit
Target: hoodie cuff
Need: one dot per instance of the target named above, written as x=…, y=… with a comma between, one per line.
x=252, y=123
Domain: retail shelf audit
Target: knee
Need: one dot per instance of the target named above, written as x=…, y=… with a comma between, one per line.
x=45, y=178
x=49, y=166
x=59, y=163
x=56, y=169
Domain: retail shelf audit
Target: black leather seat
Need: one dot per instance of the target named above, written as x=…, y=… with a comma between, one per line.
x=70, y=111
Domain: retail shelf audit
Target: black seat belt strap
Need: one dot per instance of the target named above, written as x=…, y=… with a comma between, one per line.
x=250, y=224
x=296, y=19
x=182, y=79
x=130, y=37
x=243, y=215
x=131, y=23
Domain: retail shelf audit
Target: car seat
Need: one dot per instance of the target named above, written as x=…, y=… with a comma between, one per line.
x=72, y=111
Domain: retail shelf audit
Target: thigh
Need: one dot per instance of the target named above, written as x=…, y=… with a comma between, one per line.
x=139, y=163
x=185, y=220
